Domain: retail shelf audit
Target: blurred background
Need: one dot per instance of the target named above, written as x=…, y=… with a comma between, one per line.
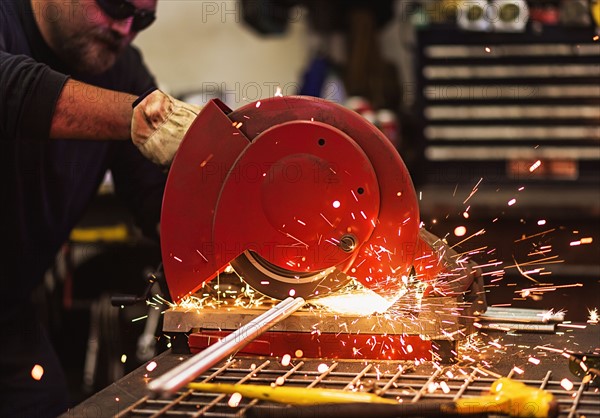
x=494, y=107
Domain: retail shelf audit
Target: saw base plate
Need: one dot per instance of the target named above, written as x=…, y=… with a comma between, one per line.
x=427, y=333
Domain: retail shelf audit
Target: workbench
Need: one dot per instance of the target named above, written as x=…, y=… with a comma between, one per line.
x=537, y=359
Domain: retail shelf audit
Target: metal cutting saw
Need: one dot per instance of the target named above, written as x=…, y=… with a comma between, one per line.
x=299, y=195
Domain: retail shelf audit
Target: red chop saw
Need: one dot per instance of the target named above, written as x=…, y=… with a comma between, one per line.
x=299, y=195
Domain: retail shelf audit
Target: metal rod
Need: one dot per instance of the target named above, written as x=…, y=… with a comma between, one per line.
x=516, y=326
x=185, y=372
x=511, y=314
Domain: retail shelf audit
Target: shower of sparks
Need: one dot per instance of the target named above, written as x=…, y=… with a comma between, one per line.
x=358, y=301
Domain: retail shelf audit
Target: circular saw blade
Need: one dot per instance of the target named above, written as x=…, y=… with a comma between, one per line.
x=279, y=283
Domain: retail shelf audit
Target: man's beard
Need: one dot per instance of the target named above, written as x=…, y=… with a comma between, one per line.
x=90, y=52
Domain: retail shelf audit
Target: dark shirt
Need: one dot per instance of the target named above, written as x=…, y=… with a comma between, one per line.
x=47, y=184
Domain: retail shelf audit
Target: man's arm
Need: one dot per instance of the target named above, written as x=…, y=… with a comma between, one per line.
x=84, y=111
x=40, y=103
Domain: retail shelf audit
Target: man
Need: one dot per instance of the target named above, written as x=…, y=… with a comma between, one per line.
x=68, y=78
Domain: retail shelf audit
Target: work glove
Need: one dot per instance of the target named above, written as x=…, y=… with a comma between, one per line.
x=158, y=125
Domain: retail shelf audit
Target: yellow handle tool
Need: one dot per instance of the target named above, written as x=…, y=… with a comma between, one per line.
x=292, y=395
x=506, y=396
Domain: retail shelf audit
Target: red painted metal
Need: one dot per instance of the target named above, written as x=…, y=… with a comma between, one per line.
x=325, y=345
x=287, y=178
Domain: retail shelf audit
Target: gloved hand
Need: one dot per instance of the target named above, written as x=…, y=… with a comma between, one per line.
x=158, y=125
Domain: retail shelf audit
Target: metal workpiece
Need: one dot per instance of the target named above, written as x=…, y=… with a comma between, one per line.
x=435, y=318
x=524, y=315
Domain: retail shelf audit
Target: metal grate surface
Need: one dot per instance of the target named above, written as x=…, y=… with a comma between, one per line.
x=399, y=380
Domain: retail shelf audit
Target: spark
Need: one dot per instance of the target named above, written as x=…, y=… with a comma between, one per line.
x=278, y=92
x=202, y=255
x=582, y=241
x=545, y=260
x=37, y=372
x=533, y=360
x=481, y=231
x=151, y=366
x=593, y=316
x=124, y=358
x=512, y=202
x=285, y=361
x=475, y=189
x=445, y=387
x=524, y=237
x=322, y=368
x=549, y=288
x=535, y=166
x=488, y=49
x=234, y=400
x=523, y=273
x=566, y=384
x=258, y=104
x=297, y=240
x=460, y=231
x=203, y=163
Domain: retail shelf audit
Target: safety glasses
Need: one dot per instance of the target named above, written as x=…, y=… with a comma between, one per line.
x=124, y=9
